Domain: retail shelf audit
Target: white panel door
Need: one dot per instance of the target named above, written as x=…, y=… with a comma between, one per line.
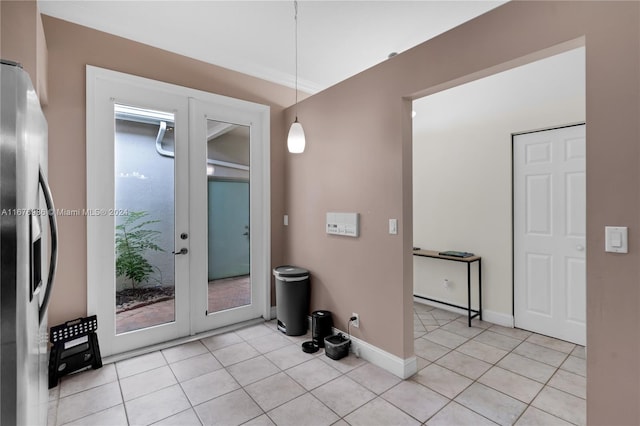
x=549, y=189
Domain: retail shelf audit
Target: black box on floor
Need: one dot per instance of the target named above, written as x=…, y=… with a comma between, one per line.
x=337, y=346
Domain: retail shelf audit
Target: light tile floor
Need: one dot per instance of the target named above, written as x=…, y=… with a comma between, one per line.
x=483, y=375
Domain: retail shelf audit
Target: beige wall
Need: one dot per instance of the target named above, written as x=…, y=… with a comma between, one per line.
x=22, y=40
x=358, y=158
x=71, y=48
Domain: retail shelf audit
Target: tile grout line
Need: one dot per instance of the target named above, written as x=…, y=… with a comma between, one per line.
x=310, y=392
x=271, y=375
x=452, y=400
x=79, y=392
x=543, y=387
x=124, y=406
x=545, y=384
x=181, y=388
x=223, y=367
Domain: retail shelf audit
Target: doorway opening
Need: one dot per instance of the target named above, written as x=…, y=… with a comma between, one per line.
x=462, y=171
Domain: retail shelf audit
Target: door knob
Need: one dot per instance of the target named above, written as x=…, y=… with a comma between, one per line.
x=183, y=250
x=580, y=248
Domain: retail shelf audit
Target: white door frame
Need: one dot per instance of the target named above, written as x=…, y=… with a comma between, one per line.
x=104, y=88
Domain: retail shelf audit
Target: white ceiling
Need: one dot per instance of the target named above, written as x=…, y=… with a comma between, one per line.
x=337, y=39
x=557, y=80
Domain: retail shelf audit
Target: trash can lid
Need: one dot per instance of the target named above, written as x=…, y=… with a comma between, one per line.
x=289, y=271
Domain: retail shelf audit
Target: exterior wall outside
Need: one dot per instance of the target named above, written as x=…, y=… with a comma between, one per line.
x=71, y=47
x=145, y=182
x=359, y=158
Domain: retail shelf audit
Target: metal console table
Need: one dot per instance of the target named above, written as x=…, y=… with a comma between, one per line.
x=468, y=260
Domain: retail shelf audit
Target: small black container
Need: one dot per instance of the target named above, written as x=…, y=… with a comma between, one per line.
x=321, y=326
x=336, y=347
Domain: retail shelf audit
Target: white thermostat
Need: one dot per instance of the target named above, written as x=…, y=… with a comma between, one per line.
x=343, y=224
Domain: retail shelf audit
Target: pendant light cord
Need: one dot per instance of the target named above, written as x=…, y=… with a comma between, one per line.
x=295, y=8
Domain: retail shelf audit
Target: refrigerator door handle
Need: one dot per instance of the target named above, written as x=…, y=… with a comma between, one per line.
x=53, y=225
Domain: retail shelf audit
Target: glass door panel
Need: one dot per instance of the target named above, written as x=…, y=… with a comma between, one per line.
x=138, y=203
x=144, y=223
x=228, y=216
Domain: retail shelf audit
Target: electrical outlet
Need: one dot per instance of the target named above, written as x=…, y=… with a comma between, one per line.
x=355, y=322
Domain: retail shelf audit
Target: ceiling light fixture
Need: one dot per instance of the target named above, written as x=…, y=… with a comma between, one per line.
x=296, y=140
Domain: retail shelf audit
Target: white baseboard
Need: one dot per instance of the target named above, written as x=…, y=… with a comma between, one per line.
x=493, y=317
x=403, y=368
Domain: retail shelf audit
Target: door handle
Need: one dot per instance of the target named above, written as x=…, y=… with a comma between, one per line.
x=580, y=248
x=246, y=234
x=53, y=226
x=183, y=250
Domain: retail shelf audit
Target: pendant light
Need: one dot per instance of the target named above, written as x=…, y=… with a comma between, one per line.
x=296, y=139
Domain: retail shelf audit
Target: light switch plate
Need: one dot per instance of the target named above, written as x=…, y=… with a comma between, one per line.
x=393, y=226
x=615, y=239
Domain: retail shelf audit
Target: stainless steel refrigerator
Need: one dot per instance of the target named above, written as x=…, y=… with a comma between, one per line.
x=28, y=250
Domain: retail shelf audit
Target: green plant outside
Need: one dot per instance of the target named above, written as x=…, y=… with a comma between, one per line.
x=133, y=239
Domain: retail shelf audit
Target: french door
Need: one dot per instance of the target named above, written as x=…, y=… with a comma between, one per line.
x=155, y=214
x=227, y=209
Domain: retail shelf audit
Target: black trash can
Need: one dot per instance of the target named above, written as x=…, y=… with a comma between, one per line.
x=292, y=299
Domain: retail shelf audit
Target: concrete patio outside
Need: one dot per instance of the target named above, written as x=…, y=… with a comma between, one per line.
x=223, y=294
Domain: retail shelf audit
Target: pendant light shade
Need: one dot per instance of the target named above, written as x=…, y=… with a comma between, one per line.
x=296, y=140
